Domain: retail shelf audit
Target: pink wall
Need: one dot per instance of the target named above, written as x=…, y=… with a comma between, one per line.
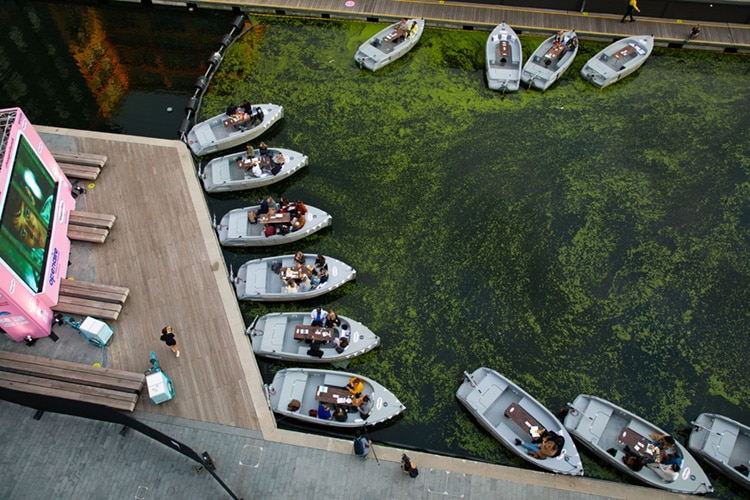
x=26, y=297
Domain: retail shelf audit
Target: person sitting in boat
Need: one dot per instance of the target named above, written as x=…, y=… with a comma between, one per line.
x=667, y=473
x=231, y=109
x=298, y=222
x=305, y=285
x=256, y=115
x=401, y=30
x=355, y=386
x=251, y=165
x=340, y=344
x=299, y=257
x=263, y=149
x=324, y=412
x=277, y=163
x=340, y=414
x=364, y=406
x=332, y=319
x=291, y=286
x=318, y=316
x=548, y=445
x=669, y=453
x=572, y=43
x=322, y=276
x=320, y=263
x=413, y=29
x=559, y=38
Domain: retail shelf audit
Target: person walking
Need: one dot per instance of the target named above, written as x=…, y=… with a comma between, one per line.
x=167, y=336
x=694, y=32
x=632, y=6
x=361, y=444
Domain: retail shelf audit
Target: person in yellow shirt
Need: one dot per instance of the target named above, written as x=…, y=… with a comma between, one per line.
x=632, y=6
x=355, y=386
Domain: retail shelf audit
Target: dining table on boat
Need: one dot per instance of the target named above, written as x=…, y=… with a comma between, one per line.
x=237, y=119
x=277, y=218
x=555, y=51
x=313, y=333
x=294, y=273
x=639, y=444
x=334, y=395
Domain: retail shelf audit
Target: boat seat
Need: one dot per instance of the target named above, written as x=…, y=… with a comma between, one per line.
x=522, y=418
x=726, y=444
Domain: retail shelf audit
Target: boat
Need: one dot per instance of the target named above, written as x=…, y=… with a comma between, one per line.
x=606, y=429
x=550, y=60
x=387, y=45
x=504, y=57
x=723, y=443
x=223, y=131
x=282, y=336
x=225, y=173
x=509, y=413
x=308, y=387
x=236, y=230
x=618, y=60
x=260, y=279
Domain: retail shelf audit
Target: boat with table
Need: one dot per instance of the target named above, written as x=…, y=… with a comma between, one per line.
x=223, y=131
x=309, y=387
x=236, y=230
x=618, y=60
x=389, y=44
x=504, y=57
x=724, y=443
x=550, y=60
x=234, y=172
x=613, y=434
x=509, y=413
x=262, y=280
x=288, y=336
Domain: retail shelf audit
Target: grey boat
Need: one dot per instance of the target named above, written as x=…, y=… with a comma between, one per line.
x=504, y=56
x=606, y=429
x=385, y=47
x=549, y=61
x=273, y=336
x=723, y=443
x=219, y=132
x=225, y=174
x=259, y=280
x=311, y=386
x=618, y=60
x=508, y=413
x=235, y=229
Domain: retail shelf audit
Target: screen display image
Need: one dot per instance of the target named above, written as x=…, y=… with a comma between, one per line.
x=25, y=226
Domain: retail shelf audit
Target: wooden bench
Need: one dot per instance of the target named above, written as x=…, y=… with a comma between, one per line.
x=521, y=417
x=87, y=307
x=94, y=291
x=90, y=226
x=116, y=389
x=86, y=166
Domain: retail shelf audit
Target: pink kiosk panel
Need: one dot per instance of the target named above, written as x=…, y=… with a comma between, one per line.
x=35, y=205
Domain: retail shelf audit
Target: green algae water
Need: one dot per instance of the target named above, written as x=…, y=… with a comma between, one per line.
x=577, y=240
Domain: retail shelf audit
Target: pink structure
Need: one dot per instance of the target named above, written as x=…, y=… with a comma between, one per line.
x=35, y=206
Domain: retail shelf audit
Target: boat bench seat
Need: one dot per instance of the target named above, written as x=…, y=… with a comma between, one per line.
x=522, y=418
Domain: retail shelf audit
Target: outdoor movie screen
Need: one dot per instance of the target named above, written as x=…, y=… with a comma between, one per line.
x=26, y=215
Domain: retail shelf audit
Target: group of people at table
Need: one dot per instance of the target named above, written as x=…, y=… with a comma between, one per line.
x=356, y=401
x=264, y=162
x=303, y=277
x=659, y=453
x=281, y=218
x=243, y=115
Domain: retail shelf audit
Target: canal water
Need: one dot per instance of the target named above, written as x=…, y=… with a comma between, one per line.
x=577, y=240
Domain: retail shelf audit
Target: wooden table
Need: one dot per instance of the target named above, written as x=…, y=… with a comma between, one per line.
x=523, y=419
x=295, y=274
x=625, y=52
x=314, y=333
x=334, y=395
x=277, y=218
x=555, y=52
x=247, y=163
x=237, y=120
x=639, y=444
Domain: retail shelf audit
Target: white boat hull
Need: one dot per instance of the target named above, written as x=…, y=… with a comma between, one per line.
x=377, y=52
x=618, y=60
x=503, y=57
x=235, y=230
x=223, y=174
x=541, y=71
x=724, y=443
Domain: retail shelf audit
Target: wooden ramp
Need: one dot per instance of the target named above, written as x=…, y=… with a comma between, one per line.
x=115, y=389
x=90, y=226
x=91, y=299
x=79, y=165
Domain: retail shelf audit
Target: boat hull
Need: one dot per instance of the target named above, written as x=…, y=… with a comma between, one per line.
x=489, y=396
x=223, y=174
x=503, y=59
x=257, y=281
x=377, y=52
x=235, y=230
x=302, y=384
x=212, y=135
x=598, y=425
x=541, y=70
x=272, y=336
x=724, y=443
x=618, y=60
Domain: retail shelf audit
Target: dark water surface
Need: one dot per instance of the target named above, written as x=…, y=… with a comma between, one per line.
x=575, y=240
